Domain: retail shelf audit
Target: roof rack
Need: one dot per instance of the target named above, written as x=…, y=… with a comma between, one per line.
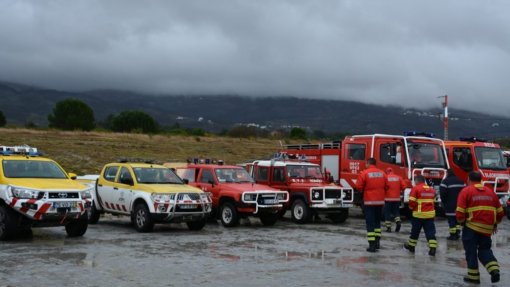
x=21, y=149
x=472, y=139
x=197, y=160
x=135, y=160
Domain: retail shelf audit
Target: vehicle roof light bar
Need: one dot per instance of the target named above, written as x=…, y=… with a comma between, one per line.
x=472, y=139
x=21, y=150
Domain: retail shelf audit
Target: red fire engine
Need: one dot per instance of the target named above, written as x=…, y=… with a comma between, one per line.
x=408, y=156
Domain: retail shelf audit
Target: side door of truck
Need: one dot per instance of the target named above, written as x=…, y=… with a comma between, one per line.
x=354, y=156
x=206, y=180
x=123, y=191
x=105, y=187
x=389, y=153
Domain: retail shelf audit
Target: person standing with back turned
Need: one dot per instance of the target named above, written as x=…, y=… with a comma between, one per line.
x=372, y=182
x=449, y=191
x=395, y=186
x=479, y=209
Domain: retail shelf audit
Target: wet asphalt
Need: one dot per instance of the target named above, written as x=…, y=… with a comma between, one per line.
x=112, y=253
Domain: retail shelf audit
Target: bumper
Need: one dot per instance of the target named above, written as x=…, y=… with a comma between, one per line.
x=262, y=202
x=178, y=217
x=331, y=197
x=48, y=211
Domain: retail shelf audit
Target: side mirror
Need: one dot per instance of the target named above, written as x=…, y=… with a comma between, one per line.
x=72, y=176
x=185, y=180
x=128, y=181
x=210, y=181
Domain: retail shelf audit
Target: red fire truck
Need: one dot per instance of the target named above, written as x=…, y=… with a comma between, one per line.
x=408, y=156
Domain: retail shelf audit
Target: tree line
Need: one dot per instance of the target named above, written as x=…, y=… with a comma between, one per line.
x=74, y=114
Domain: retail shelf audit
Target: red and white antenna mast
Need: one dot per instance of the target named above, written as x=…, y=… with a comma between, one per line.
x=445, y=116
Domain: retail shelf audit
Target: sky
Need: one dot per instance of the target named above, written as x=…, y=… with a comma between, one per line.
x=405, y=53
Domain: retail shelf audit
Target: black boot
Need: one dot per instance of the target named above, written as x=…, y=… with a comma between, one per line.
x=452, y=236
x=432, y=251
x=371, y=246
x=388, y=229
x=409, y=247
x=469, y=280
x=495, y=276
x=397, y=228
x=378, y=243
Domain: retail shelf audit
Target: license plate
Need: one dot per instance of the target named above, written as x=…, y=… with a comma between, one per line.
x=65, y=204
x=270, y=201
x=188, y=206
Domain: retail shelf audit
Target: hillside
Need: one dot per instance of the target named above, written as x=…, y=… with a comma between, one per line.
x=23, y=104
x=87, y=152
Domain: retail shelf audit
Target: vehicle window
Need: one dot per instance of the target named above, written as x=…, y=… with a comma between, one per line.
x=110, y=173
x=356, y=151
x=391, y=153
x=490, y=158
x=125, y=175
x=232, y=175
x=156, y=175
x=186, y=173
x=32, y=169
x=426, y=155
x=262, y=173
x=278, y=174
x=304, y=171
x=206, y=177
x=463, y=158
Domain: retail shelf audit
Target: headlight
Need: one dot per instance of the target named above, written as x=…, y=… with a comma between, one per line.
x=162, y=197
x=250, y=197
x=24, y=193
x=85, y=194
x=205, y=196
x=280, y=196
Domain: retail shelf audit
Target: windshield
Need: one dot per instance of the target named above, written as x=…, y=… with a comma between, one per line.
x=232, y=175
x=426, y=155
x=32, y=169
x=490, y=158
x=304, y=171
x=149, y=175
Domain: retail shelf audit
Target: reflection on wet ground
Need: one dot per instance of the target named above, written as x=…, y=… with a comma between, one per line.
x=320, y=254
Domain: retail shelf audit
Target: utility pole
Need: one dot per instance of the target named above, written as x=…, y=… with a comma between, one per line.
x=445, y=116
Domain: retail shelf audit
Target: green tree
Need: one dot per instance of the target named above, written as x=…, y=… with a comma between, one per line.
x=2, y=119
x=72, y=114
x=298, y=133
x=129, y=121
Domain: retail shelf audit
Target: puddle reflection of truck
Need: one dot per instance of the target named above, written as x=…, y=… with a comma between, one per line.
x=310, y=193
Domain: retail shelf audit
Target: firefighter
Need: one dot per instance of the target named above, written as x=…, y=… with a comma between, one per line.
x=372, y=182
x=479, y=210
x=449, y=191
x=394, y=187
x=421, y=202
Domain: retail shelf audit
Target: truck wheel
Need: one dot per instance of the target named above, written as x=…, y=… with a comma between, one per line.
x=228, y=214
x=7, y=223
x=269, y=219
x=508, y=212
x=142, y=218
x=300, y=211
x=93, y=214
x=78, y=227
x=196, y=225
x=340, y=217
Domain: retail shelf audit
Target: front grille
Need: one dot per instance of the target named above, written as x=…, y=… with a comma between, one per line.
x=333, y=193
x=434, y=181
x=63, y=195
x=192, y=196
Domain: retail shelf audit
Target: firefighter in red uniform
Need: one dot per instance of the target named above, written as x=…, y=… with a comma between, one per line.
x=421, y=202
x=394, y=187
x=479, y=209
x=372, y=182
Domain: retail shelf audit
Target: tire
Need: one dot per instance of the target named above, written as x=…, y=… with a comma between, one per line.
x=93, y=214
x=196, y=225
x=78, y=227
x=508, y=212
x=228, y=214
x=340, y=217
x=8, y=226
x=300, y=211
x=269, y=219
x=142, y=218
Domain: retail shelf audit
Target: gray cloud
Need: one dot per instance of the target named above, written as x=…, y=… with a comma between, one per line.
x=387, y=52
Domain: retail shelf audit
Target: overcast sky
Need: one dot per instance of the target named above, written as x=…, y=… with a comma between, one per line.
x=386, y=52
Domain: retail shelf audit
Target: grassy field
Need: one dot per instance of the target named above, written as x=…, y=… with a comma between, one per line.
x=87, y=152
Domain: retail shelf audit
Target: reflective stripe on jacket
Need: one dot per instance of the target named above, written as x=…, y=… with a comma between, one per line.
x=421, y=201
x=372, y=182
x=480, y=208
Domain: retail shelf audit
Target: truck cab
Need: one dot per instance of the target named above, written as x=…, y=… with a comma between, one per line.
x=234, y=193
x=468, y=154
x=310, y=193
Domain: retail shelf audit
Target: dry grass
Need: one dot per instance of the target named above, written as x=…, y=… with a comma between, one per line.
x=87, y=152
